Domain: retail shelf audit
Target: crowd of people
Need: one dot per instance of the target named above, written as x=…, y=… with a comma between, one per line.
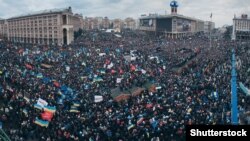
x=192, y=86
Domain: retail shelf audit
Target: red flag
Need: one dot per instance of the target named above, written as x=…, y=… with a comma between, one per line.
x=47, y=115
x=107, y=61
x=56, y=84
x=121, y=71
x=149, y=105
x=132, y=67
x=113, y=71
x=20, y=51
x=28, y=66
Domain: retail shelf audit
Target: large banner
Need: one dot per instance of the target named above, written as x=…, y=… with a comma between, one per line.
x=183, y=25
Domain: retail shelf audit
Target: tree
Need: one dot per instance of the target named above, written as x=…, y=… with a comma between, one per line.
x=78, y=33
x=228, y=32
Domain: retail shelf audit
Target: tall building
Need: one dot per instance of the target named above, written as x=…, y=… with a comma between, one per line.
x=173, y=25
x=241, y=28
x=55, y=26
x=208, y=26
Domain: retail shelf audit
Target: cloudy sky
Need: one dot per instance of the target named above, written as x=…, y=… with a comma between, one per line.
x=223, y=10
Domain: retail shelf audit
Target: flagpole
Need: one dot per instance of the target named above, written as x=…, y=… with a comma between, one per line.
x=210, y=24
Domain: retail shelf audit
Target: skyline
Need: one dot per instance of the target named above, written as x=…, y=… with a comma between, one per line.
x=223, y=11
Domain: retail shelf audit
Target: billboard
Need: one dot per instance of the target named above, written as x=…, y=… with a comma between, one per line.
x=146, y=22
x=183, y=25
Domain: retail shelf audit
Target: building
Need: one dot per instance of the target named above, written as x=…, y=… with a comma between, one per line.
x=106, y=23
x=46, y=27
x=117, y=25
x=241, y=28
x=208, y=26
x=129, y=23
x=173, y=25
x=3, y=28
x=77, y=21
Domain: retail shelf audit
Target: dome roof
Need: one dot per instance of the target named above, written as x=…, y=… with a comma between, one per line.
x=173, y=3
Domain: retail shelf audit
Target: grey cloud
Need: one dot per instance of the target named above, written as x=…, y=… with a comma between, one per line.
x=223, y=10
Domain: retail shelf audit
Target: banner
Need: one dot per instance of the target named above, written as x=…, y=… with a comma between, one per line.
x=42, y=102
x=98, y=98
x=245, y=89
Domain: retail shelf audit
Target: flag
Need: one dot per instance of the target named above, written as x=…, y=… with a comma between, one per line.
x=132, y=67
x=118, y=80
x=154, y=123
x=76, y=104
x=215, y=95
x=158, y=87
x=25, y=112
x=57, y=84
x=121, y=71
x=244, y=89
x=42, y=102
x=38, y=106
x=131, y=126
x=39, y=75
x=98, y=79
x=50, y=109
x=27, y=99
x=98, y=98
x=113, y=71
x=140, y=120
x=47, y=116
x=110, y=65
x=149, y=105
x=73, y=109
x=41, y=123
x=28, y=66
x=143, y=71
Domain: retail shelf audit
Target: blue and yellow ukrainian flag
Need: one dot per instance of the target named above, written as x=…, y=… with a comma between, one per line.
x=41, y=123
x=74, y=109
x=38, y=106
x=51, y=109
x=76, y=104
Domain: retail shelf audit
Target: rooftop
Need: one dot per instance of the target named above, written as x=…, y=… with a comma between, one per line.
x=155, y=16
x=47, y=11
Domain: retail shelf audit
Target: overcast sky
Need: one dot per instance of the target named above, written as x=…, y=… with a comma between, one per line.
x=223, y=10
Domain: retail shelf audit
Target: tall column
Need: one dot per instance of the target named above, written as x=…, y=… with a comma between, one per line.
x=234, y=98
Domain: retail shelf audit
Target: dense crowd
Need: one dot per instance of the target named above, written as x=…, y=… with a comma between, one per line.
x=192, y=79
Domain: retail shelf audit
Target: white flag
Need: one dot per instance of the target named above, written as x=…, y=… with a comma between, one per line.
x=98, y=98
x=42, y=102
x=118, y=80
x=110, y=65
